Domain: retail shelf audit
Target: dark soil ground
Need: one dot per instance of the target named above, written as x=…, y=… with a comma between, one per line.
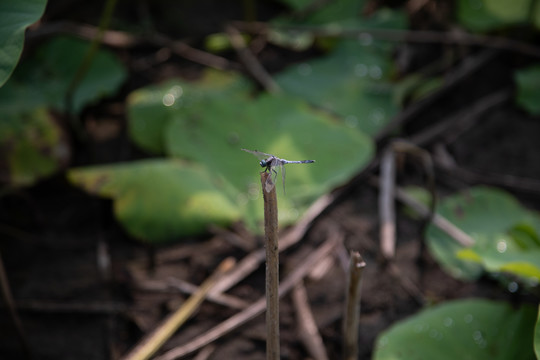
x=56, y=240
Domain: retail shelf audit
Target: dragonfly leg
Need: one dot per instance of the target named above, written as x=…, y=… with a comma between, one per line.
x=274, y=175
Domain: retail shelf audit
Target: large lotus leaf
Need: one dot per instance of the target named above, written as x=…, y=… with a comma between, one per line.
x=159, y=200
x=464, y=329
x=151, y=108
x=482, y=212
x=43, y=80
x=352, y=82
x=528, y=89
x=32, y=146
x=213, y=133
x=15, y=17
x=485, y=15
x=211, y=130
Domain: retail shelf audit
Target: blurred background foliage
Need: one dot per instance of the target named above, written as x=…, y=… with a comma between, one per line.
x=328, y=108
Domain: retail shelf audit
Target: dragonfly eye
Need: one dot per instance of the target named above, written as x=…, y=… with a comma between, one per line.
x=263, y=163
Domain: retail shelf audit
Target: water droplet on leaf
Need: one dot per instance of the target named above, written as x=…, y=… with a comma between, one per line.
x=501, y=246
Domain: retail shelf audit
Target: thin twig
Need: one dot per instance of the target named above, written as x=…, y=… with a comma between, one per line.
x=396, y=35
x=246, y=243
x=175, y=285
x=439, y=221
x=121, y=39
x=461, y=121
x=190, y=53
x=352, y=308
x=307, y=328
x=253, y=66
x=272, y=268
x=258, y=307
x=407, y=284
x=154, y=340
x=512, y=182
x=387, y=211
x=205, y=352
x=424, y=156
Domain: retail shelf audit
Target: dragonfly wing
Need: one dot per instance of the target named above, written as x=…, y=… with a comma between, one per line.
x=259, y=154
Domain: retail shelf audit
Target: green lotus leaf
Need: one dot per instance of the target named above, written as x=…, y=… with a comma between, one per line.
x=15, y=17
x=352, y=82
x=33, y=146
x=213, y=133
x=159, y=200
x=464, y=329
x=489, y=216
x=152, y=108
x=43, y=80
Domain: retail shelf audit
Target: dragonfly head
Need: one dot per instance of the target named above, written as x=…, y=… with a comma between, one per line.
x=263, y=163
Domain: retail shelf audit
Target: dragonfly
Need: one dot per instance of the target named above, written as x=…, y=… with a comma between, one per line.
x=270, y=163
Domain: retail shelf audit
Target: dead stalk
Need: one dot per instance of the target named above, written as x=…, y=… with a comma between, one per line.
x=387, y=212
x=352, y=309
x=272, y=269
